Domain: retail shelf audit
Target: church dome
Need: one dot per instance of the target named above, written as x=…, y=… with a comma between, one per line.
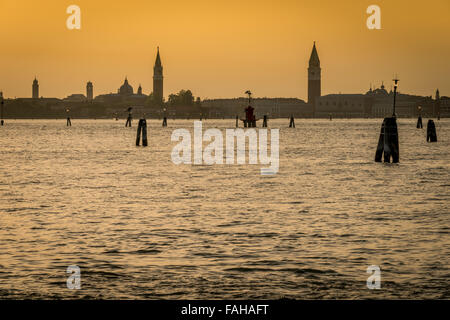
x=379, y=91
x=126, y=89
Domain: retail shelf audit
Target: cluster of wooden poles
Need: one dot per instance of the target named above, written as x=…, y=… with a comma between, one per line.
x=431, y=129
x=252, y=123
x=388, y=147
x=387, y=143
x=142, y=126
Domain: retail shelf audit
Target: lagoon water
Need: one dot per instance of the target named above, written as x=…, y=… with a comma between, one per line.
x=140, y=227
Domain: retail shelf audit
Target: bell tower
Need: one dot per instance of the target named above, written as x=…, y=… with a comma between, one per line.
x=89, y=91
x=314, y=77
x=158, y=80
x=35, y=89
x=437, y=105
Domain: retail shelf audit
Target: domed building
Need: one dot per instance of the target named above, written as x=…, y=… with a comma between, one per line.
x=126, y=89
x=378, y=91
x=125, y=95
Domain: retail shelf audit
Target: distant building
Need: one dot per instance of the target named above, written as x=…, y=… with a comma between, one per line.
x=158, y=78
x=343, y=105
x=75, y=98
x=314, y=77
x=374, y=103
x=444, y=107
x=382, y=102
x=90, y=91
x=35, y=88
x=126, y=89
x=125, y=95
x=139, y=92
x=272, y=107
x=406, y=105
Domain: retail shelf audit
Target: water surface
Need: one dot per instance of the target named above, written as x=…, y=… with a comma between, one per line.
x=140, y=227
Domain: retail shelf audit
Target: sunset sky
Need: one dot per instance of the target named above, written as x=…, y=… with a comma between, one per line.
x=221, y=48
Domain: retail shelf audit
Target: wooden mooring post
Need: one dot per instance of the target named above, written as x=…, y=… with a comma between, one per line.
x=2, y=122
x=419, y=123
x=142, y=127
x=431, y=131
x=292, y=122
x=128, y=123
x=388, y=141
x=237, y=121
x=68, y=122
x=264, y=124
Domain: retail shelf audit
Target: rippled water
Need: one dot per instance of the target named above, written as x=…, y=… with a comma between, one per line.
x=139, y=226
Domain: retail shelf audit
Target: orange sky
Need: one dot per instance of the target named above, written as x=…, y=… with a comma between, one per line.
x=220, y=48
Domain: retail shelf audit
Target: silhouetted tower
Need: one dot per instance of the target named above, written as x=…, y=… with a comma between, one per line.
x=437, y=111
x=314, y=76
x=35, y=89
x=89, y=91
x=139, y=92
x=158, y=80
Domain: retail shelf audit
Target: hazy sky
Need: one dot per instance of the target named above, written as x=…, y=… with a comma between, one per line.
x=221, y=48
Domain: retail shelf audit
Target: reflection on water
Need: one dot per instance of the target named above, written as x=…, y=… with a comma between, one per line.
x=140, y=227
